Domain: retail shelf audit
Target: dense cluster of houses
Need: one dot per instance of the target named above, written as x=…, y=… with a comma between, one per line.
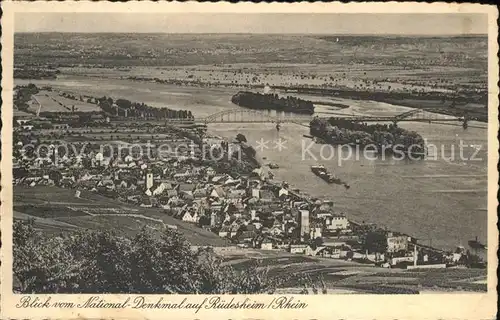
x=249, y=209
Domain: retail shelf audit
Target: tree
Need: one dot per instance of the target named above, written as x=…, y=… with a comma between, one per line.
x=84, y=119
x=204, y=221
x=105, y=106
x=55, y=176
x=104, y=262
x=241, y=138
x=306, y=237
x=375, y=241
x=20, y=172
x=317, y=242
x=123, y=103
x=103, y=258
x=41, y=265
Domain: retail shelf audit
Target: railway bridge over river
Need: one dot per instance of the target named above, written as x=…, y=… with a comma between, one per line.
x=258, y=116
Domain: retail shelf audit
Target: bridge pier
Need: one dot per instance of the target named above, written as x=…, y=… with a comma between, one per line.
x=465, y=123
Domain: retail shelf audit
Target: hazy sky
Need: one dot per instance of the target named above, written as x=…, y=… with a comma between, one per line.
x=328, y=23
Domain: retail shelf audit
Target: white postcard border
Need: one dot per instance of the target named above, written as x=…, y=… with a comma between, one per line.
x=431, y=306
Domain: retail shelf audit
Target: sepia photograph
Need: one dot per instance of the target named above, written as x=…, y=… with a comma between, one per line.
x=214, y=153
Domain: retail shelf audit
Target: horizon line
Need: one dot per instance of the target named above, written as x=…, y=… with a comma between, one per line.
x=262, y=33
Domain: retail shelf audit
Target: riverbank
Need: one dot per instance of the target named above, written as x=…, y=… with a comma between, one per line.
x=216, y=96
x=470, y=103
x=442, y=199
x=296, y=192
x=375, y=183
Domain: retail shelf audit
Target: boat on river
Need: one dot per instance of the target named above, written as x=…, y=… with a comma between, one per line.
x=476, y=244
x=273, y=165
x=321, y=172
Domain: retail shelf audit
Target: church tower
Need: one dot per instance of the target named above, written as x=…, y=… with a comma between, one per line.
x=149, y=180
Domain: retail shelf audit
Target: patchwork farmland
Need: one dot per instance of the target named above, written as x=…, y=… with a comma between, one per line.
x=50, y=101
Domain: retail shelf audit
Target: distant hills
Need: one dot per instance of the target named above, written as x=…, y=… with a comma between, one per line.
x=156, y=49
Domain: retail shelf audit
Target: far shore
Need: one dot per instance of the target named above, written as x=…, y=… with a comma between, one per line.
x=447, y=102
x=437, y=102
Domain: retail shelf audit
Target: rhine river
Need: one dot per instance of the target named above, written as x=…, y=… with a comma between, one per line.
x=440, y=200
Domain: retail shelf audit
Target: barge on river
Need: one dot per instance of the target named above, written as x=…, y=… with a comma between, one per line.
x=476, y=244
x=321, y=172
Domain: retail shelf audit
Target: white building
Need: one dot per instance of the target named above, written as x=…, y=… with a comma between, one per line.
x=337, y=222
x=397, y=243
x=304, y=222
x=190, y=217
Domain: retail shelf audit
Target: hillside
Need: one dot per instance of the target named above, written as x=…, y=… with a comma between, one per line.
x=58, y=210
x=123, y=49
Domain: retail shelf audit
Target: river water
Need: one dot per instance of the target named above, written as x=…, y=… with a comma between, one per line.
x=440, y=200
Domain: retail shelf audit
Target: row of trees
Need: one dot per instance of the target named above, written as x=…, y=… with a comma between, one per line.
x=33, y=73
x=120, y=107
x=127, y=108
x=103, y=262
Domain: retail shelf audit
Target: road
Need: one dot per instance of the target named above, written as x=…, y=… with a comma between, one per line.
x=39, y=105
